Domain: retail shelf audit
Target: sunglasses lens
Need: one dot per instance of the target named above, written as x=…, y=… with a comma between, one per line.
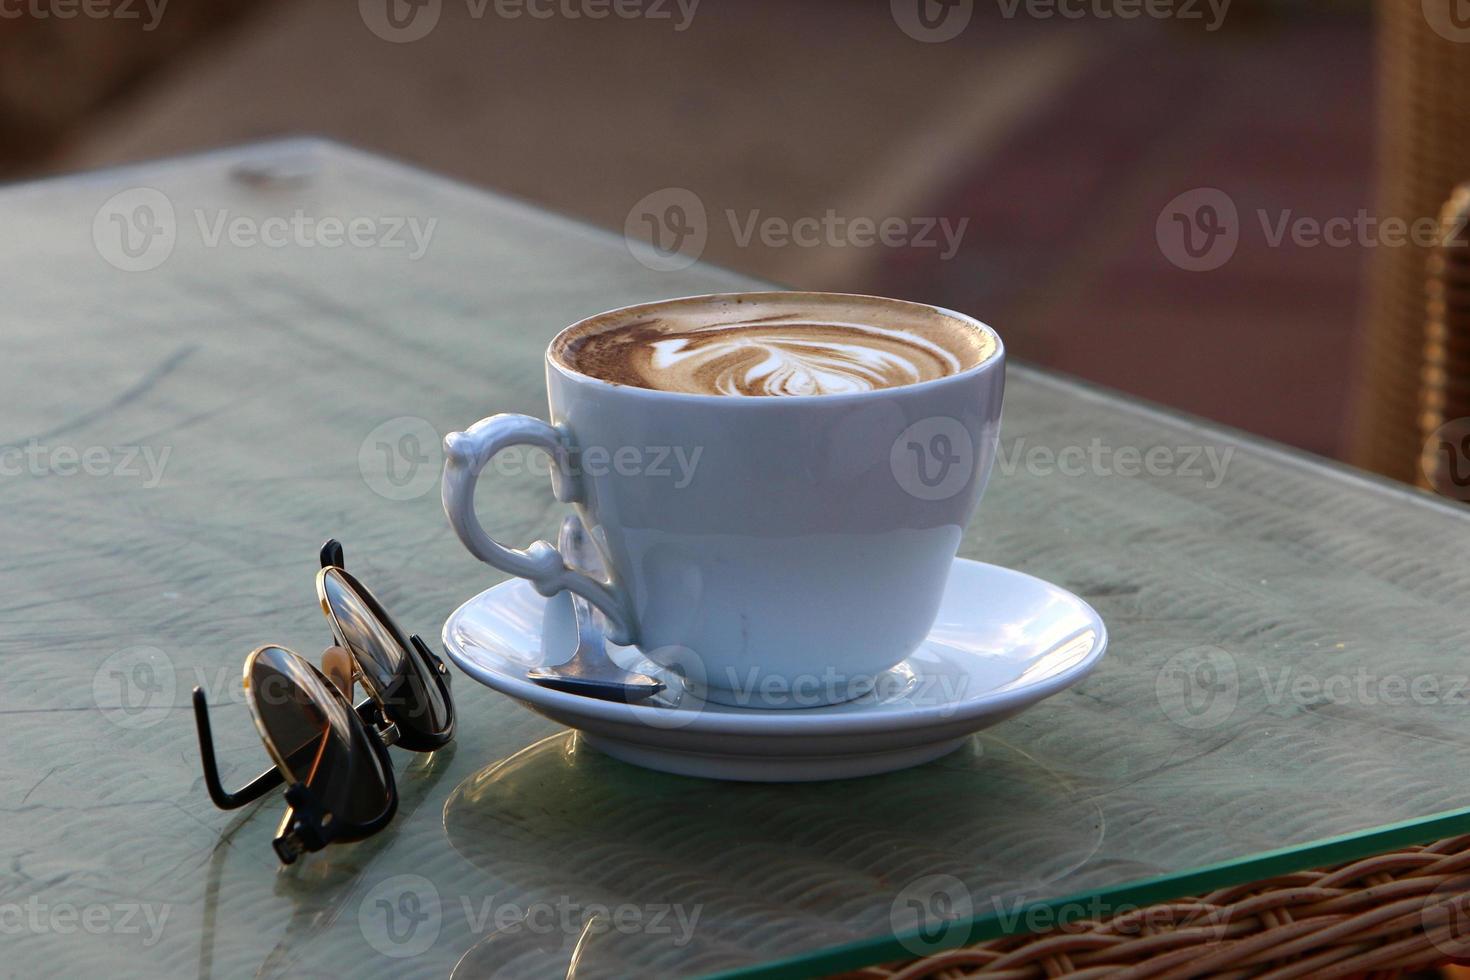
x=391, y=671
x=313, y=734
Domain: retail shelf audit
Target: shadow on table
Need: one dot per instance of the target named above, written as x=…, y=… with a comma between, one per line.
x=313, y=885
x=624, y=869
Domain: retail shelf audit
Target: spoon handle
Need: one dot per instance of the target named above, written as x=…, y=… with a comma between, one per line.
x=571, y=541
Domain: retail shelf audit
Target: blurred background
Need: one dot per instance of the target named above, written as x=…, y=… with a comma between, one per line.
x=1181, y=199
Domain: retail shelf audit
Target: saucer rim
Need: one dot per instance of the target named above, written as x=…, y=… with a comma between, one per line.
x=789, y=721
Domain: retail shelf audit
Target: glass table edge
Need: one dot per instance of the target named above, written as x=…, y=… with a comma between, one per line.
x=1137, y=894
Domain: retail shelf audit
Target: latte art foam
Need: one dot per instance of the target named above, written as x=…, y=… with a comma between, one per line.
x=792, y=358
x=766, y=353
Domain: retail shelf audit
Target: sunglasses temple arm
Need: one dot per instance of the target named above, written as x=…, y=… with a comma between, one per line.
x=429, y=655
x=252, y=791
x=304, y=827
x=286, y=843
x=331, y=555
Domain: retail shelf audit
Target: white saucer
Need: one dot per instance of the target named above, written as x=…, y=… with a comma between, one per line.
x=1002, y=641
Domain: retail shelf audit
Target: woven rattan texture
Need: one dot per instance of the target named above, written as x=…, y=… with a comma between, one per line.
x=1395, y=911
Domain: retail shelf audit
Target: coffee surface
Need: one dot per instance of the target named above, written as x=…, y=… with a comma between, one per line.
x=739, y=347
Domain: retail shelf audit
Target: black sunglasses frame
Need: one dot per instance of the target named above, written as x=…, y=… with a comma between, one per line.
x=408, y=737
x=306, y=826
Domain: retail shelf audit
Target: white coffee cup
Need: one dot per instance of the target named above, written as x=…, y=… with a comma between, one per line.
x=779, y=551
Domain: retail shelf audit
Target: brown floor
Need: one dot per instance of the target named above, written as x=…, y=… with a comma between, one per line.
x=1059, y=142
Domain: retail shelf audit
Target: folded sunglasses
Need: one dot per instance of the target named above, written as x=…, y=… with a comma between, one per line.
x=332, y=755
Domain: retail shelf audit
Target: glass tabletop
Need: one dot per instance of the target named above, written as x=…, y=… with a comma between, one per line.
x=200, y=387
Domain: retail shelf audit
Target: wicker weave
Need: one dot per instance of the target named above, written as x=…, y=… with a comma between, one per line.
x=1402, y=910
x=1423, y=151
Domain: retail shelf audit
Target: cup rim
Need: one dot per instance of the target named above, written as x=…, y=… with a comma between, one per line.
x=993, y=362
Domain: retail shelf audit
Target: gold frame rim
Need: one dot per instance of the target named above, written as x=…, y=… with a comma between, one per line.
x=266, y=738
x=339, y=636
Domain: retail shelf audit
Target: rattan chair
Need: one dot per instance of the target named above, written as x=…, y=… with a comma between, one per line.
x=1444, y=391
x=1423, y=153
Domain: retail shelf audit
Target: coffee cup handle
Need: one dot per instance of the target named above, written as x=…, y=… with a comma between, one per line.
x=466, y=454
